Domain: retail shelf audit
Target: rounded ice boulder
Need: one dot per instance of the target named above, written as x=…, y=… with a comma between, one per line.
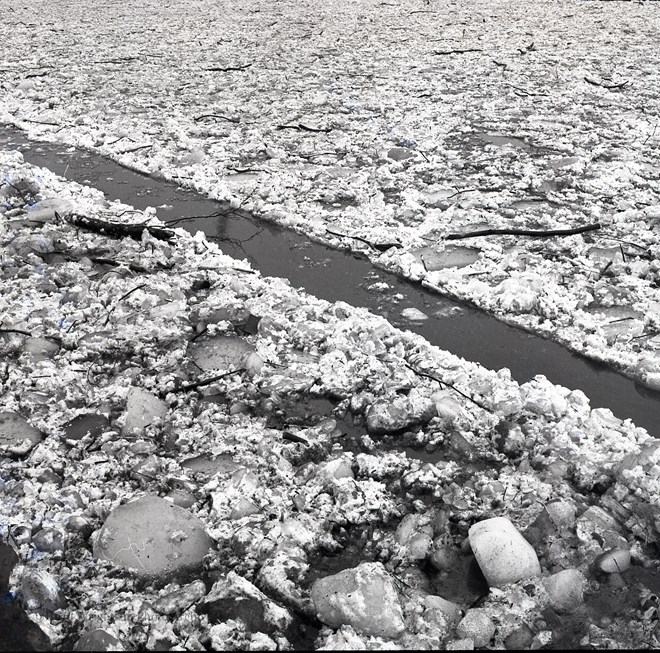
x=565, y=590
x=153, y=537
x=503, y=554
x=364, y=597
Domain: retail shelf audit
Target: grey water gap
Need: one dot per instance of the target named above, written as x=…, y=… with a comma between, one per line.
x=337, y=275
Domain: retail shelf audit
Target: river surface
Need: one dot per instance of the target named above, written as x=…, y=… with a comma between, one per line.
x=338, y=275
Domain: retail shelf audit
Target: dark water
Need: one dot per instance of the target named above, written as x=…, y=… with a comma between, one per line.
x=337, y=275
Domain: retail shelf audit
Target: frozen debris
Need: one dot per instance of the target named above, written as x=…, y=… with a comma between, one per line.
x=40, y=591
x=46, y=210
x=415, y=536
x=17, y=437
x=209, y=466
x=565, y=590
x=221, y=353
x=451, y=612
x=86, y=424
x=152, y=537
x=98, y=640
x=599, y=530
x=142, y=409
x=400, y=153
x=476, y=626
x=562, y=514
x=399, y=413
x=237, y=599
x=414, y=315
x=503, y=554
x=520, y=639
x=40, y=349
x=179, y=600
x=614, y=561
x=49, y=540
x=452, y=256
x=364, y=598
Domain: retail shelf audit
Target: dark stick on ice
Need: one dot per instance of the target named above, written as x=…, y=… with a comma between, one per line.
x=445, y=52
x=227, y=69
x=609, y=87
x=216, y=116
x=42, y=122
x=135, y=149
x=294, y=437
x=117, y=61
x=381, y=247
x=203, y=382
x=606, y=267
x=304, y=128
x=117, y=229
x=124, y=296
x=449, y=385
x=535, y=233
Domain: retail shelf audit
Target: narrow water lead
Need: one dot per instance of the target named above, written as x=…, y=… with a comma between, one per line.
x=336, y=275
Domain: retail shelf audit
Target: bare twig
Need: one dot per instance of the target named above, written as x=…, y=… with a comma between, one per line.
x=134, y=149
x=381, y=247
x=301, y=127
x=220, y=69
x=523, y=91
x=459, y=192
x=217, y=117
x=463, y=51
x=117, y=61
x=449, y=385
x=606, y=267
x=609, y=87
x=526, y=232
x=203, y=382
x=124, y=296
x=42, y=122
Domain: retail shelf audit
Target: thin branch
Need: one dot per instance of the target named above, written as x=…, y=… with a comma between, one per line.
x=117, y=61
x=606, y=267
x=220, y=69
x=381, y=247
x=134, y=149
x=301, y=127
x=217, y=117
x=124, y=296
x=526, y=232
x=459, y=192
x=525, y=92
x=449, y=385
x=42, y=122
x=609, y=87
x=463, y=51
x=213, y=379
